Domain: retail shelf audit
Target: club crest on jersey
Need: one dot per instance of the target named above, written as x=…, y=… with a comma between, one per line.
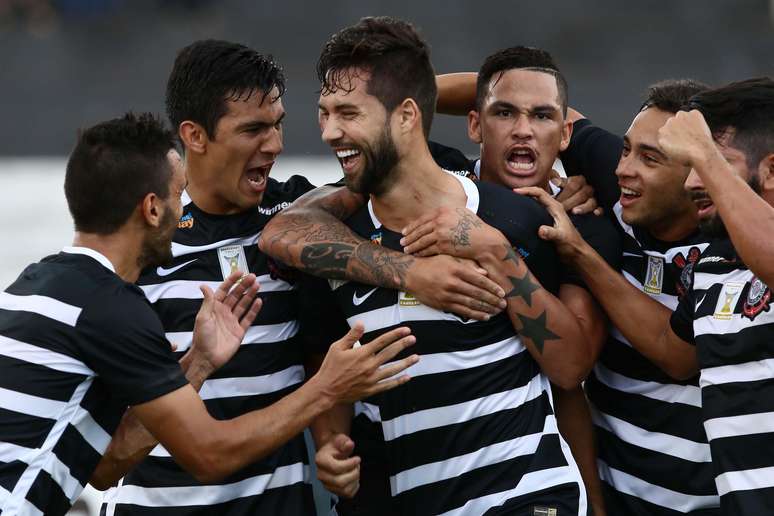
x=654, y=276
x=729, y=295
x=376, y=238
x=758, y=298
x=685, y=265
x=185, y=222
x=232, y=258
x=406, y=299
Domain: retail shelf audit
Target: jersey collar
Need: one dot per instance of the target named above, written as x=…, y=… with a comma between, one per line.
x=101, y=258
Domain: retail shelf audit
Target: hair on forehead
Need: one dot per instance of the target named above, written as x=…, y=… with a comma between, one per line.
x=671, y=95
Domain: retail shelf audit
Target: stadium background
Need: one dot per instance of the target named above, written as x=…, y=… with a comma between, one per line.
x=66, y=64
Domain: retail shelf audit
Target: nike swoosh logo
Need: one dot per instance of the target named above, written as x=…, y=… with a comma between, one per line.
x=700, y=301
x=166, y=272
x=357, y=301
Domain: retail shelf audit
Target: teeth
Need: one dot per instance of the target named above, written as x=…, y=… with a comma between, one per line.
x=346, y=153
x=521, y=166
x=627, y=191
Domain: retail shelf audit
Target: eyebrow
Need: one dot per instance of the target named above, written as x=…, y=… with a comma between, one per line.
x=339, y=107
x=255, y=124
x=650, y=148
x=542, y=108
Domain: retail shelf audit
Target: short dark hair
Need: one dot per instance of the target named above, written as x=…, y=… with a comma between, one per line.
x=209, y=72
x=672, y=94
x=520, y=58
x=747, y=107
x=113, y=166
x=395, y=56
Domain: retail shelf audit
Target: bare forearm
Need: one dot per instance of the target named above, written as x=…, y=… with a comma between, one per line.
x=641, y=319
x=132, y=442
x=738, y=206
x=456, y=93
x=574, y=420
x=338, y=420
x=550, y=331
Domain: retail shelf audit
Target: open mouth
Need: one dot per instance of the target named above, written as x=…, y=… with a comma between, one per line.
x=257, y=176
x=628, y=193
x=348, y=158
x=704, y=205
x=521, y=160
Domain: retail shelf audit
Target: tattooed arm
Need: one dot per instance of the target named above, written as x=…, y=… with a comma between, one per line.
x=310, y=236
x=549, y=330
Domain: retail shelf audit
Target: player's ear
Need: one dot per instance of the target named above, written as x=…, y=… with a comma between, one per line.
x=566, y=134
x=409, y=115
x=766, y=173
x=193, y=136
x=474, y=127
x=151, y=209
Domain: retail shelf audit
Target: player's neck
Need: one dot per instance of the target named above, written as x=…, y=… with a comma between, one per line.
x=421, y=186
x=674, y=229
x=120, y=248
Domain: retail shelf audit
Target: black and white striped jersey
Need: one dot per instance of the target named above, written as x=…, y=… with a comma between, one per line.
x=474, y=430
x=727, y=314
x=267, y=366
x=77, y=346
x=654, y=457
x=652, y=447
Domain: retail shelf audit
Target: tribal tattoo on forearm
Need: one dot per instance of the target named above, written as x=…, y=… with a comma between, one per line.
x=536, y=328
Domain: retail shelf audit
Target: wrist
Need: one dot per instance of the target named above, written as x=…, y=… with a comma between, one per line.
x=196, y=367
x=325, y=400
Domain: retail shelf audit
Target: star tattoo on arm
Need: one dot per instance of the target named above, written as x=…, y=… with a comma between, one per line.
x=520, y=287
x=536, y=330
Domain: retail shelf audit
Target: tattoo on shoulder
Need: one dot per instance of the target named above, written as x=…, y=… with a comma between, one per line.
x=327, y=259
x=536, y=330
x=376, y=265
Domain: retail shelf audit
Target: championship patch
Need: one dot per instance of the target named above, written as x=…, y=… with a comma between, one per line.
x=544, y=511
x=729, y=295
x=758, y=298
x=406, y=299
x=232, y=258
x=654, y=276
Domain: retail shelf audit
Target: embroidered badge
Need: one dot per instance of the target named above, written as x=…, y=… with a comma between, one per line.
x=232, y=258
x=758, y=298
x=654, y=276
x=729, y=295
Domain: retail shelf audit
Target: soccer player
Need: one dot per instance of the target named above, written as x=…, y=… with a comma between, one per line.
x=452, y=441
x=728, y=140
x=225, y=101
x=80, y=342
x=654, y=458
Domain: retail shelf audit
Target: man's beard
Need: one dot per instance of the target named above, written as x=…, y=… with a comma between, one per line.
x=157, y=244
x=714, y=227
x=378, y=170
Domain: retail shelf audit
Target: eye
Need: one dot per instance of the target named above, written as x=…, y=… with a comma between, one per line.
x=650, y=160
x=504, y=113
x=626, y=150
x=543, y=116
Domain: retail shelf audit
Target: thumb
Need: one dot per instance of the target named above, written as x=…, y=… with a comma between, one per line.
x=344, y=446
x=548, y=233
x=352, y=336
x=209, y=296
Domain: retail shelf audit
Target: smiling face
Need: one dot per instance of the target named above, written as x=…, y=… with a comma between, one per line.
x=357, y=127
x=521, y=128
x=652, y=194
x=239, y=156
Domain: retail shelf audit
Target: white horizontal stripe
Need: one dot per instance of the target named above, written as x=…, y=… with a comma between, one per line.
x=252, y=385
x=190, y=289
x=60, y=473
x=180, y=249
x=395, y=314
x=705, y=280
x=30, y=405
x=27, y=509
x=656, y=441
x=260, y=334
x=666, y=392
x=733, y=426
x=91, y=431
x=530, y=482
x=41, y=305
x=745, y=480
x=459, y=360
x=708, y=325
x=746, y=372
x=10, y=452
x=41, y=356
x=465, y=411
x=663, y=298
x=208, y=495
x=456, y=466
x=675, y=500
x=371, y=411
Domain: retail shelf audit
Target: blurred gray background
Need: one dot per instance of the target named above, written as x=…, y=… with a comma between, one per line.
x=69, y=63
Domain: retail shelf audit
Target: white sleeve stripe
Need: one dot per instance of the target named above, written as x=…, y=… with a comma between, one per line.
x=41, y=305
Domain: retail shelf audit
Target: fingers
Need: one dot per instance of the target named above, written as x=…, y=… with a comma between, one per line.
x=555, y=209
x=479, y=287
x=419, y=244
x=386, y=385
x=246, y=301
x=344, y=446
x=385, y=340
x=340, y=476
x=238, y=291
x=424, y=220
x=417, y=234
x=225, y=287
x=549, y=233
x=388, y=353
x=599, y=211
x=579, y=197
x=467, y=312
x=586, y=207
x=395, y=368
x=353, y=335
x=251, y=314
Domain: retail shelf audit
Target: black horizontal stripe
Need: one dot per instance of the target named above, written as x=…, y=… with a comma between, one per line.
x=49, y=383
x=749, y=345
x=754, y=501
x=164, y=471
x=234, y=406
x=442, y=443
x=47, y=495
x=10, y=472
x=262, y=359
x=676, y=419
x=741, y=452
x=619, y=503
x=24, y=429
x=73, y=451
x=661, y=469
x=627, y=361
x=563, y=498
x=738, y=399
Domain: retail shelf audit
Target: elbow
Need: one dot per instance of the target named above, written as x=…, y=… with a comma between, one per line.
x=101, y=484
x=207, y=468
x=680, y=372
